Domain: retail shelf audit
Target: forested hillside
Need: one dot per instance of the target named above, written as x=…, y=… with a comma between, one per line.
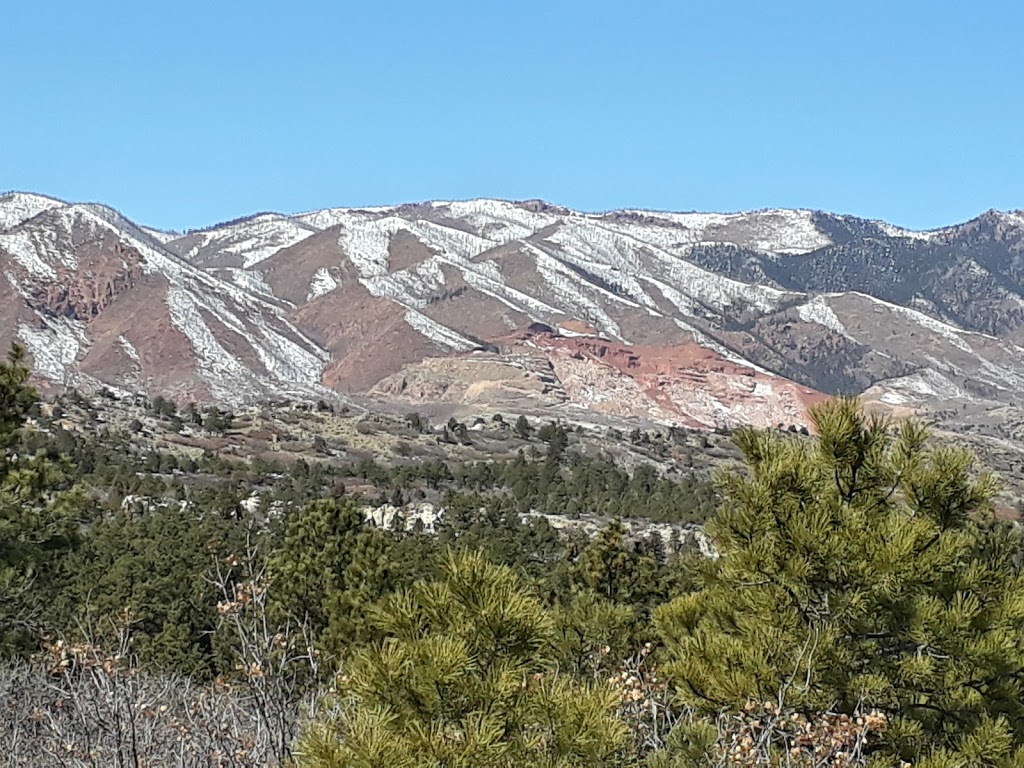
x=516, y=592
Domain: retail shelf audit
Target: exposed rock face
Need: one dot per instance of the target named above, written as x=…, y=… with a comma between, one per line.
x=690, y=318
x=84, y=293
x=682, y=385
x=425, y=518
x=509, y=381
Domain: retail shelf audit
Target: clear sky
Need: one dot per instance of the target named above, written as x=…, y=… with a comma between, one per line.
x=185, y=113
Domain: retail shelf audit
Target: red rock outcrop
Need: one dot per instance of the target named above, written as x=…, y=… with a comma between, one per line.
x=684, y=384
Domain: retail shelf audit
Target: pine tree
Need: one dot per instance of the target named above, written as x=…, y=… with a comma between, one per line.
x=522, y=428
x=150, y=572
x=464, y=678
x=38, y=512
x=330, y=568
x=593, y=633
x=857, y=571
x=616, y=570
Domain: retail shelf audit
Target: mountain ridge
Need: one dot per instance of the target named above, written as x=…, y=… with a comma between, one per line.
x=523, y=202
x=331, y=302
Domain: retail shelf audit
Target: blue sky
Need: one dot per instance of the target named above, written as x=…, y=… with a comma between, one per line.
x=186, y=113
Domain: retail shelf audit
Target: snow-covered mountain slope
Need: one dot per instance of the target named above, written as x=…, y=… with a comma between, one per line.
x=160, y=236
x=345, y=298
x=776, y=231
x=241, y=244
x=83, y=278
x=16, y=207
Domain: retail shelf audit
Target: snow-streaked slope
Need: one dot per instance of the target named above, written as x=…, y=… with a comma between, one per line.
x=55, y=344
x=933, y=347
x=624, y=269
x=332, y=217
x=18, y=207
x=569, y=290
x=915, y=388
x=781, y=231
x=289, y=360
x=950, y=333
x=437, y=333
x=160, y=236
x=496, y=220
x=252, y=240
x=27, y=248
x=818, y=311
x=632, y=260
x=367, y=246
x=910, y=234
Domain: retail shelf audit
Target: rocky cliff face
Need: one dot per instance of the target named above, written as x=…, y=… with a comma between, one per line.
x=105, y=271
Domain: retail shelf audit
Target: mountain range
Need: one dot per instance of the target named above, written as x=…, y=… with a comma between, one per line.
x=691, y=319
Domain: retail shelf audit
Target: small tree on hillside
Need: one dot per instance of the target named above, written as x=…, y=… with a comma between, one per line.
x=614, y=569
x=465, y=678
x=330, y=568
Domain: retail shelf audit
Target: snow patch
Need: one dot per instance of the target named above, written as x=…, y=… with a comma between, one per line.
x=160, y=236
x=366, y=244
x=818, y=311
x=251, y=281
x=907, y=234
x=322, y=283
x=55, y=346
x=332, y=217
x=925, y=384
x=129, y=349
x=437, y=333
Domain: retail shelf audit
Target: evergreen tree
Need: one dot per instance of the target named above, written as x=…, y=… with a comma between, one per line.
x=614, y=570
x=38, y=512
x=593, y=633
x=854, y=574
x=464, y=677
x=217, y=421
x=522, y=428
x=330, y=567
x=192, y=415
